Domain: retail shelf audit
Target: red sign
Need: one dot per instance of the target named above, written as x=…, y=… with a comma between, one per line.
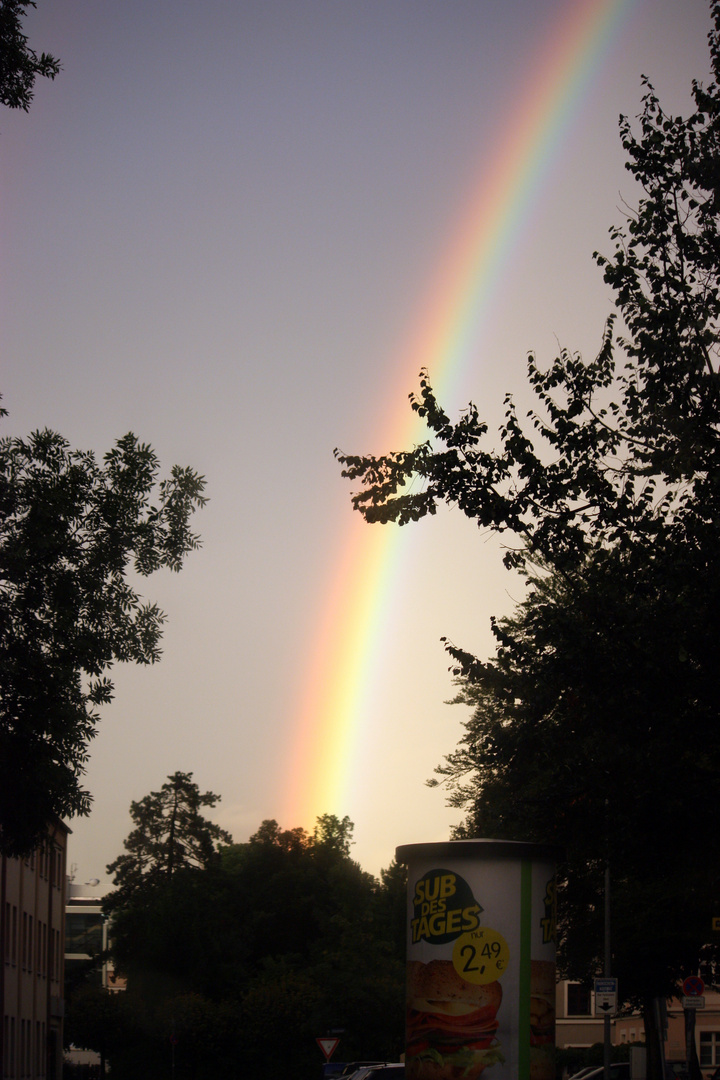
x=693, y=986
x=328, y=1047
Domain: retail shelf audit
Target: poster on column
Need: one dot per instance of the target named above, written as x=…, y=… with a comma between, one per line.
x=480, y=960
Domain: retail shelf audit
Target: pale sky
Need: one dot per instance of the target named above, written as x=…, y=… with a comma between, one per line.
x=218, y=226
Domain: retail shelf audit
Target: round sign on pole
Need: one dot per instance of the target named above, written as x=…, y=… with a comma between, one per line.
x=693, y=986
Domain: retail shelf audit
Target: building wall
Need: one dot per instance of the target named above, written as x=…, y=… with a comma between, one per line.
x=86, y=937
x=86, y=930
x=32, y=949
x=707, y=1032
x=576, y=1025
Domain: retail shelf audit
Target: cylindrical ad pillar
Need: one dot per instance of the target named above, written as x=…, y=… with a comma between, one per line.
x=480, y=960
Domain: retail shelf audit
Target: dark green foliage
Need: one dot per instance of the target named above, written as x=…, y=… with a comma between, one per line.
x=595, y=726
x=596, y=723
x=71, y=534
x=281, y=941
x=170, y=834
x=97, y=1019
x=19, y=64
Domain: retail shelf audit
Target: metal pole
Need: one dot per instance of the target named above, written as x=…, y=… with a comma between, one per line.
x=659, y=1007
x=606, y=1019
x=689, y=1038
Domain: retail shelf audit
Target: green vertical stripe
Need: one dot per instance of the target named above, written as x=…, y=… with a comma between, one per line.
x=525, y=946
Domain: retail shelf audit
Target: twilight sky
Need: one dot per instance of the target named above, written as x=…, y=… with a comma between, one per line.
x=220, y=228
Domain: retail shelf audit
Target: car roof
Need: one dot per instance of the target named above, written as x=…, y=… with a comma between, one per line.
x=618, y=1069
x=354, y=1066
x=370, y=1070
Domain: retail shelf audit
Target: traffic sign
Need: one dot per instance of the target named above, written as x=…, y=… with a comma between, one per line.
x=606, y=991
x=694, y=1002
x=328, y=1047
x=693, y=986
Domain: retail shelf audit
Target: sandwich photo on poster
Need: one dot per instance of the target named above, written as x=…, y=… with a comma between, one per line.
x=481, y=961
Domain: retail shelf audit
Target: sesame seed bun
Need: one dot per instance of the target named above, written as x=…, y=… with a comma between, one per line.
x=440, y=986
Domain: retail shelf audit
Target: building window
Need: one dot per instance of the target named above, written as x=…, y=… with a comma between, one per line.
x=51, y=971
x=23, y=942
x=84, y=933
x=9, y=1046
x=58, y=875
x=709, y=1048
x=578, y=1000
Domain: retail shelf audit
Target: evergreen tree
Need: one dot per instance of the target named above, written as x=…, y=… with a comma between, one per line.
x=170, y=834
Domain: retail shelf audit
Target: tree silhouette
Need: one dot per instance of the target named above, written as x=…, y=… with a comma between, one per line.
x=72, y=532
x=19, y=64
x=170, y=834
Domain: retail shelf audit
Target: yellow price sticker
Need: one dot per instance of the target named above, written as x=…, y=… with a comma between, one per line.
x=481, y=956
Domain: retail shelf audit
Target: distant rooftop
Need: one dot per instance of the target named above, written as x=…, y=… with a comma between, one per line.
x=94, y=890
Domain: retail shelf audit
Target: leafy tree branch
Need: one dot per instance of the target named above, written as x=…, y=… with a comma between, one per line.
x=73, y=532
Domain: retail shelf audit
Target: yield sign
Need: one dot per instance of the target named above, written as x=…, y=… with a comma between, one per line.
x=328, y=1047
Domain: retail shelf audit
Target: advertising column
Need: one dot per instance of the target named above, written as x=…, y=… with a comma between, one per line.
x=481, y=960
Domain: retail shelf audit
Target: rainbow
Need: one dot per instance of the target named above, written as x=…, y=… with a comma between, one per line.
x=347, y=642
